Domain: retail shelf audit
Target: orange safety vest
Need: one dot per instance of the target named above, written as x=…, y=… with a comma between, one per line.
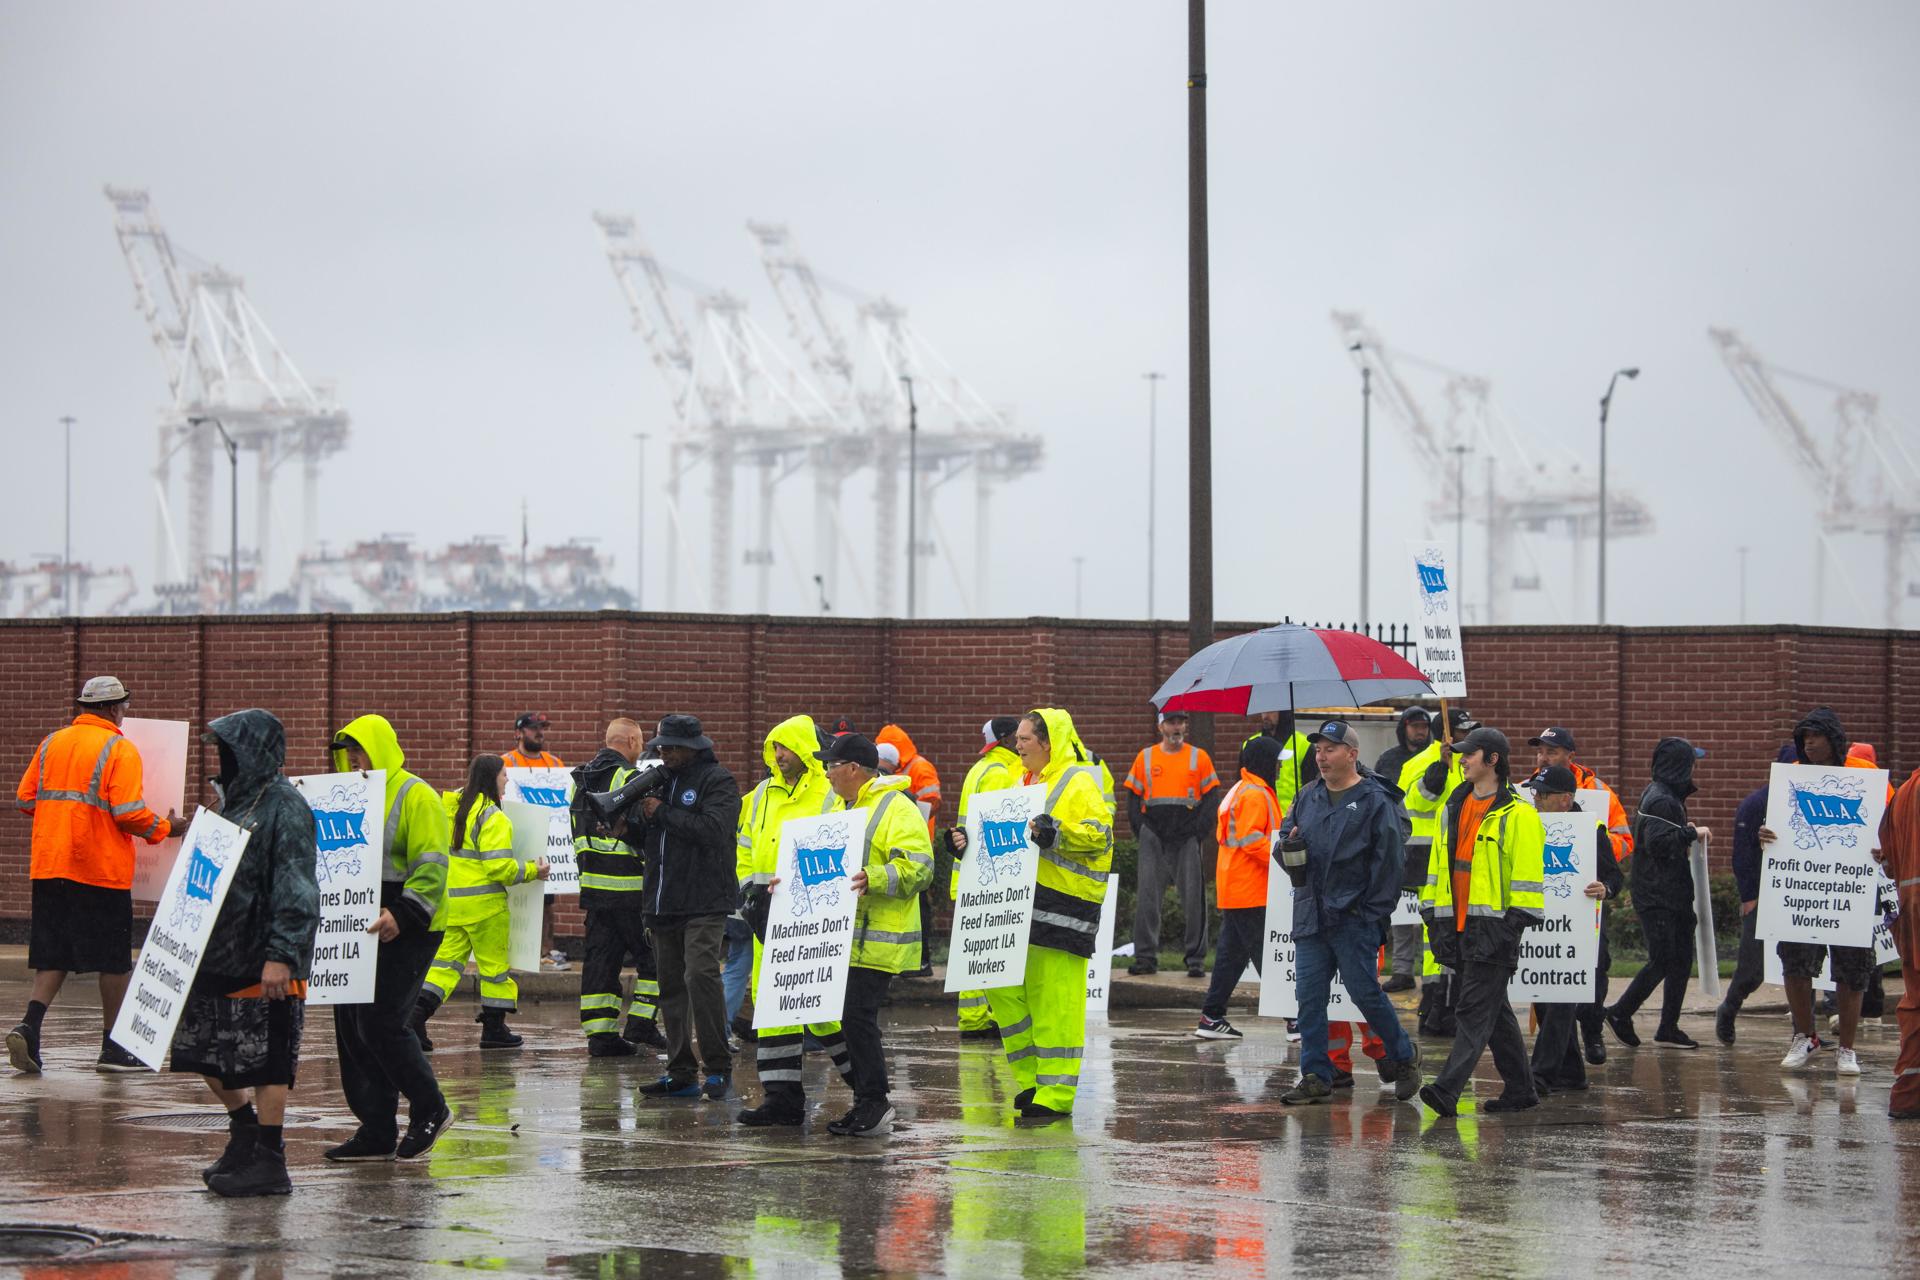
x=1249, y=815
x=1172, y=777
x=1619, y=830
x=83, y=789
x=518, y=759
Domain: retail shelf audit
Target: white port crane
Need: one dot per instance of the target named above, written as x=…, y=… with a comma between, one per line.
x=1864, y=477
x=222, y=362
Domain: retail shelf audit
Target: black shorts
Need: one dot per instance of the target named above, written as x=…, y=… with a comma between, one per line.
x=81, y=928
x=1852, y=966
x=241, y=1041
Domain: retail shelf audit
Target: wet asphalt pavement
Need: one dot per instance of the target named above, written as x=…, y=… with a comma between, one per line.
x=1179, y=1159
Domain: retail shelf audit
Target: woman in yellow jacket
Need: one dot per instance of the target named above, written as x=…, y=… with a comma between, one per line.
x=481, y=868
x=1043, y=1021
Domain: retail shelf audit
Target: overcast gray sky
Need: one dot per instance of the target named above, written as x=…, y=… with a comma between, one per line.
x=1536, y=194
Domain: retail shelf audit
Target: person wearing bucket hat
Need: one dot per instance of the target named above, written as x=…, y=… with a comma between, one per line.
x=82, y=790
x=687, y=847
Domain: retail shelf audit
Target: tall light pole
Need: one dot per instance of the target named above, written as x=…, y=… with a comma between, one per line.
x=66, y=556
x=1460, y=452
x=1199, y=362
x=1743, y=582
x=640, y=527
x=1606, y=402
x=913, y=492
x=1078, y=563
x=1153, y=415
x=1366, y=482
x=233, y=502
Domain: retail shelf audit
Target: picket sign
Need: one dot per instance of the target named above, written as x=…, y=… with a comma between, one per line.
x=349, y=816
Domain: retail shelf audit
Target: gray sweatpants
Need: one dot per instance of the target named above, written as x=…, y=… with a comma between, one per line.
x=1181, y=866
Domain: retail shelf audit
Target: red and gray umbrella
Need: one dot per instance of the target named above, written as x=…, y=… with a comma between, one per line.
x=1287, y=667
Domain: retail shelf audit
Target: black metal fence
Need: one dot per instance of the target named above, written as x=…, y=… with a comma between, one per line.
x=1396, y=636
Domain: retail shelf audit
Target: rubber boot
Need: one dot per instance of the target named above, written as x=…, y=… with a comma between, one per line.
x=493, y=1030
x=422, y=1010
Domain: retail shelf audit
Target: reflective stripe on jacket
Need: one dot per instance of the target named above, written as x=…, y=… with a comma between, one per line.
x=898, y=859
x=769, y=805
x=1178, y=777
x=1249, y=815
x=607, y=864
x=83, y=790
x=1423, y=806
x=1506, y=889
x=482, y=865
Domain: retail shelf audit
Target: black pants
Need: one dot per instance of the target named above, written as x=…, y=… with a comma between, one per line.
x=1242, y=931
x=692, y=1000
x=1556, y=1050
x=1669, y=937
x=1484, y=1020
x=615, y=935
x=1588, y=1016
x=379, y=1057
x=860, y=1023
x=1750, y=969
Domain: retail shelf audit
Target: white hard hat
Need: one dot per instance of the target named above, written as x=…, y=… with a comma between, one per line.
x=103, y=689
x=889, y=756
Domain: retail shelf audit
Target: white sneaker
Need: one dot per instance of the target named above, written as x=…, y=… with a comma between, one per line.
x=1796, y=1059
x=1846, y=1063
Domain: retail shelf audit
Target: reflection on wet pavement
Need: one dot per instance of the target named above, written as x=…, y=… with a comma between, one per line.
x=1180, y=1159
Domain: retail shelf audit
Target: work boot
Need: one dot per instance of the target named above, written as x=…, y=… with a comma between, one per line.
x=422, y=1010
x=988, y=1032
x=1023, y=1099
x=494, y=1033
x=1143, y=968
x=1398, y=982
x=1596, y=1049
x=241, y=1138
x=774, y=1113
x=1308, y=1090
x=1438, y=1102
x=866, y=1120
x=644, y=1031
x=424, y=1131
x=1041, y=1113
x=1406, y=1075
x=263, y=1174
x=23, y=1048
x=1723, y=1018
x=609, y=1045
x=1503, y=1103
x=1342, y=1079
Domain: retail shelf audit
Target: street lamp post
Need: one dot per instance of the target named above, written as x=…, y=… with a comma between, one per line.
x=1460, y=452
x=233, y=502
x=1606, y=402
x=1743, y=582
x=66, y=556
x=1153, y=415
x=640, y=527
x=1199, y=362
x=1366, y=485
x=913, y=493
x=1078, y=563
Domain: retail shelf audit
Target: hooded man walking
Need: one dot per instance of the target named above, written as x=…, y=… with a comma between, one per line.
x=1662, y=880
x=240, y=1029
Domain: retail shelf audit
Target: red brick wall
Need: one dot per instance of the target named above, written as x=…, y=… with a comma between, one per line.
x=453, y=683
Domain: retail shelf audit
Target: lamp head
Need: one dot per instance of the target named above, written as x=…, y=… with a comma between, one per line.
x=1630, y=373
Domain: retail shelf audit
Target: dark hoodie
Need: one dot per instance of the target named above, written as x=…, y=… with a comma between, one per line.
x=1823, y=721
x=1747, y=821
x=273, y=906
x=1395, y=758
x=1662, y=835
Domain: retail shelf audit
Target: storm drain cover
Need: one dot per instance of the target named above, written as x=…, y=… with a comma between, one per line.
x=21, y=1243
x=204, y=1119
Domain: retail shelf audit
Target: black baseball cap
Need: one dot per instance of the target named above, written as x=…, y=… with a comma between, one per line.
x=839, y=725
x=1335, y=731
x=1554, y=779
x=1554, y=737
x=851, y=748
x=1484, y=738
x=531, y=717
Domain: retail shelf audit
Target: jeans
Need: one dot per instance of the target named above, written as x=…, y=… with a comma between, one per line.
x=860, y=1023
x=1176, y=863
x=692, y=1001
x=1243, y=930
x=1749, y=968
x=379, y=1057
x=1669, y=937
x=733, y=978
x=1349, y=947
x=1484, y=1020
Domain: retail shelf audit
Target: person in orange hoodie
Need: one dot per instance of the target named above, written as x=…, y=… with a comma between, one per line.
x=1248, y=816
x=1900, y=854
x=923, y=787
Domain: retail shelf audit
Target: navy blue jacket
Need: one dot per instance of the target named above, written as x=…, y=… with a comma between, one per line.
x=1356, y=856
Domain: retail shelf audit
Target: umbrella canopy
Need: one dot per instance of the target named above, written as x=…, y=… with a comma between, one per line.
x=1286, y=667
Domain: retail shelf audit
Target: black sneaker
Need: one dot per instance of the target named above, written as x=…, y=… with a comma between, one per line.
x=988, y=1032
x=361, y=1148
x=23, y=1048
x=240, y=1142
x=1139, y=970
x=771, y=1114
x=1495, y=1106
x=423, y=1133
x=1022, y=1098
x=668, y=1087
x=1723, y=1019
x=646, y=1031
x=1438, y=1103
x=114, y=1058
x=1623, y=1027
x=866, y=1120
x=1195, y=971
x=263, y=1174
x=1398, y=982
x=716, y=1086
x=1041, y=1113
x=1675, y=1038
x=608, y=1045
x=1308, y=1090
x=1216, y=1029
x=1596, y=1052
